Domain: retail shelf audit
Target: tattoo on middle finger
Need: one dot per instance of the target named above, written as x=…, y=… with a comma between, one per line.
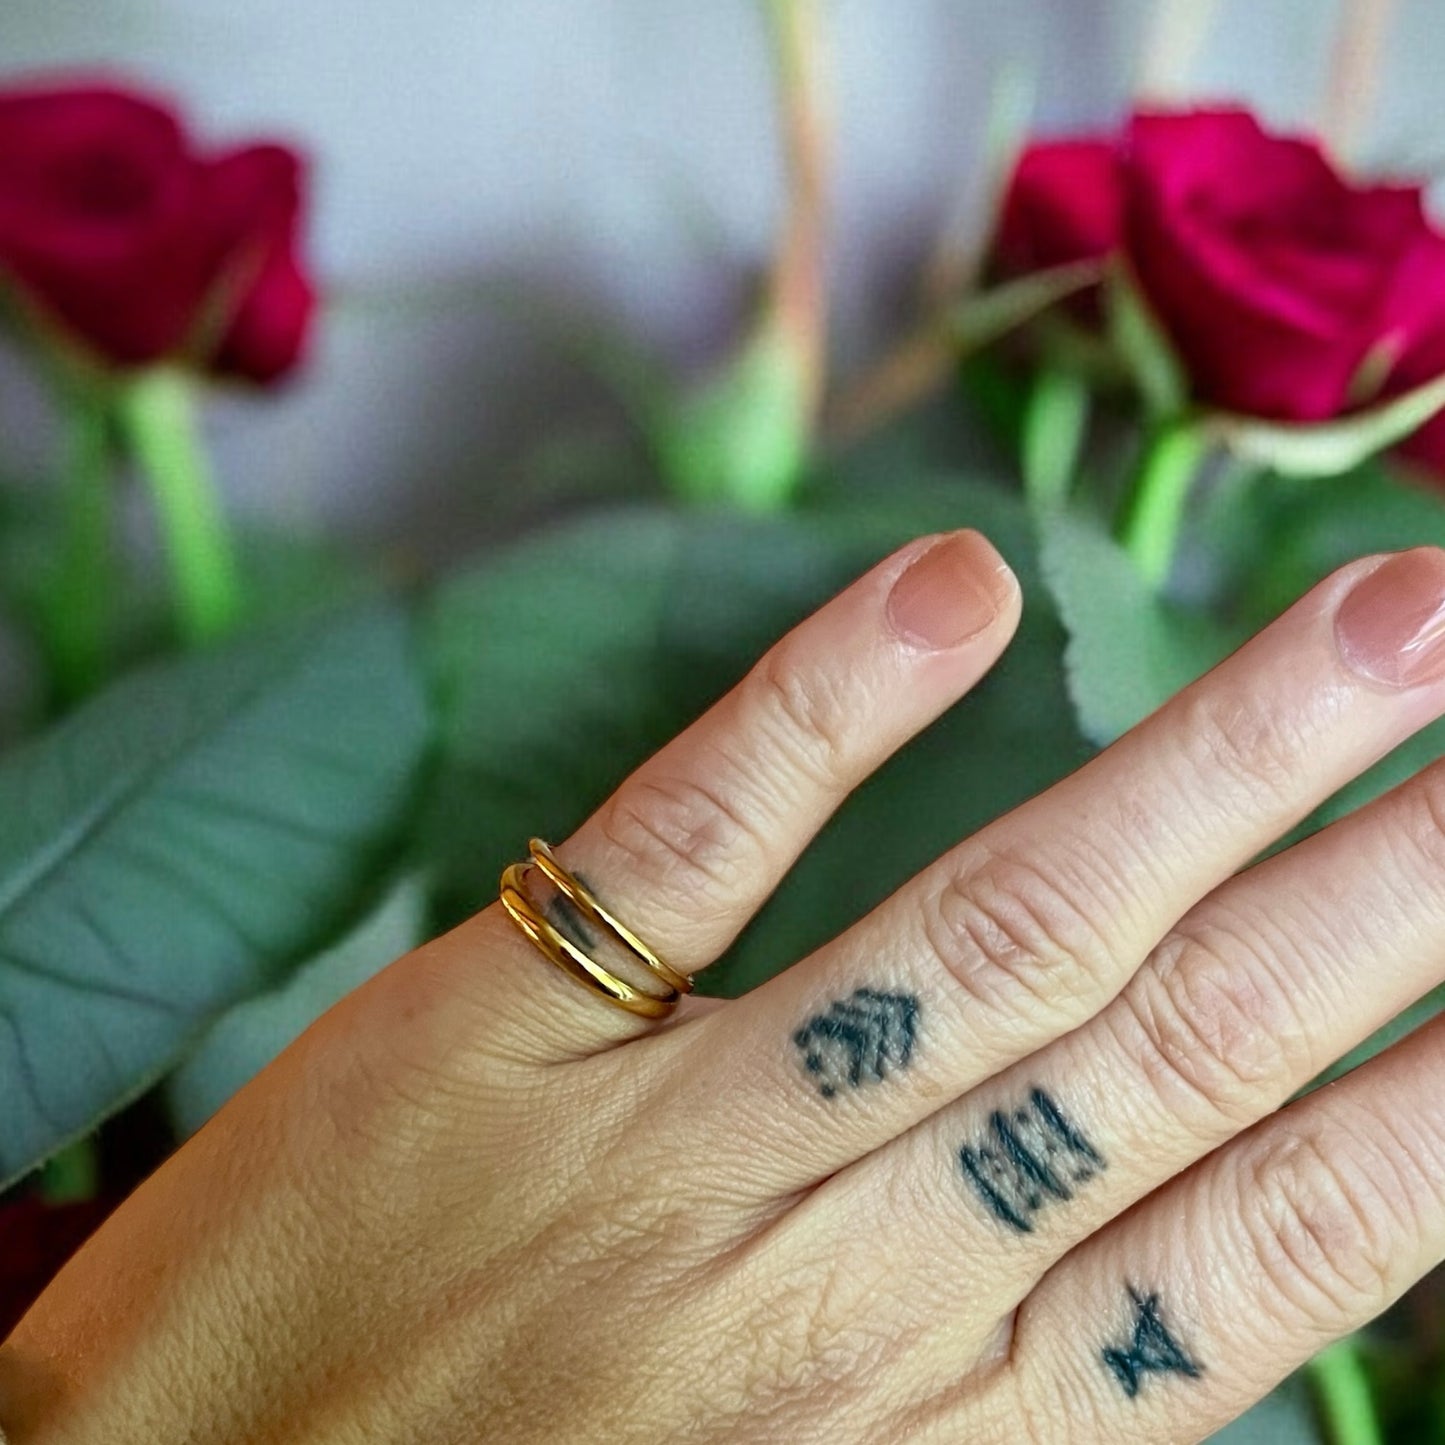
x=1028, y=1158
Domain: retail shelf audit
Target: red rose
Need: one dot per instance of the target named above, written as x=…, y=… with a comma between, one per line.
x=1270, y=272
x=1064, y=204
x=117, y=229
x=1416, y=320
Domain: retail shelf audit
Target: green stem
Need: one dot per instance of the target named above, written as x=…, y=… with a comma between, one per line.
x=1153, y=511
x=158, y=416
x=73, y=1174
x=1342, y=1391
x=78, y=609
x=1055, y=424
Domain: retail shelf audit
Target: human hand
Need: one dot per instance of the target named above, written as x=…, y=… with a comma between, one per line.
x=1005, y=1162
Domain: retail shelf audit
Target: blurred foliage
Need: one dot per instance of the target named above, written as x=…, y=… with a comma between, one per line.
x=181, y=842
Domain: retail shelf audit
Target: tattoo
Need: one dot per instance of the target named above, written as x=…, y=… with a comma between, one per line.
x=1028, y=1158
x=566, y=918
x=859, y=1038
x=1152, y=1351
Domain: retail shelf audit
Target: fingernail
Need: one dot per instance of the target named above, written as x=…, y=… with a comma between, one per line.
x=1391, y=627
x=949, y=594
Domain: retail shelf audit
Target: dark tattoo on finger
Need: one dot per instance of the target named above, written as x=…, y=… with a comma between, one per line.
x=859, y=1039
x=1027, y=1159
x=1151, y=1351
x=567, y=919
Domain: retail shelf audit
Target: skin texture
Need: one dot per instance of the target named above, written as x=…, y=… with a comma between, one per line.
x=1008, y=1161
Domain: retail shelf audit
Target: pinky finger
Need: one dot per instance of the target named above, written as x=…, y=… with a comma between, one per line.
x=1190, y=1308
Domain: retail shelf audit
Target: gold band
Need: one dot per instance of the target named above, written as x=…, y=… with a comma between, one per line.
x=569, y=957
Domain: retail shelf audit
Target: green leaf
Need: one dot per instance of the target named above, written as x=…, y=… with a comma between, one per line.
x=1280, y=536
x=175, y=845
x=1403, y=1024
x=563, y=664
x=1326, y=449
x=1140, y=339
x=247, y=1037
x=1283, y=1417
x=1277, y=536
x=1129, y=650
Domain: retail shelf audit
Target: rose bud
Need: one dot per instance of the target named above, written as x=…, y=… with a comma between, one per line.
x=1063, y=205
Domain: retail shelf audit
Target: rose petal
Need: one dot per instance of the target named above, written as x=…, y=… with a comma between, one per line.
x=268, y=335
x=97, y=198
x=1064, y=204
x=1269, y=271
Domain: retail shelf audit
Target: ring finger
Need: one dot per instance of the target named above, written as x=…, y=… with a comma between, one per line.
x=694, y=841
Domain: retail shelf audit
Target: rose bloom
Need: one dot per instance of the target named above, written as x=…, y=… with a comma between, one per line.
x=1274, y=276
x=118, y=231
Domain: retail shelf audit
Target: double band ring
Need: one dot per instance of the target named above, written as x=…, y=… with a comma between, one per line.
x=568, y=955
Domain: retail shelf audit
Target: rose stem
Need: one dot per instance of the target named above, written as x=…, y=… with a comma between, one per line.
x=1055, y=426
x=797, y=279
x=1172, y=45
x=922, y=362
x=158, y=417
x=1354, y=75
x=1342, y=1392
x=1153, y=510
x=77, y=620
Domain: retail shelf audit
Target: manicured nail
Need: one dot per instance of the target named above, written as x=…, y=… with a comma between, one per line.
x=949, y=594
x=1391, y=628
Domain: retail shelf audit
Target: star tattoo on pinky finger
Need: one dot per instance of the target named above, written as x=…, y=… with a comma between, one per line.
x=1151, y=1350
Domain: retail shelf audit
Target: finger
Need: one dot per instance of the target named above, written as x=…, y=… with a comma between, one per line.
x=1024, y=932
x=1258, y=989
x=692, y=843
x=1190, y=1308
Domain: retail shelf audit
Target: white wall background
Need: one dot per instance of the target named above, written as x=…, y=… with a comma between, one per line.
x=615, y=154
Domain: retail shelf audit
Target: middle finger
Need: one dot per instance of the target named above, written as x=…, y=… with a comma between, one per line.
x=1026, y=931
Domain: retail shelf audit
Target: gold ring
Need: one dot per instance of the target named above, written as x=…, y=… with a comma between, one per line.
x=569, y=957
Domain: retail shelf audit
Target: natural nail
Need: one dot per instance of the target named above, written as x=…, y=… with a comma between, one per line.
x=949, y=594
x=1391, y=627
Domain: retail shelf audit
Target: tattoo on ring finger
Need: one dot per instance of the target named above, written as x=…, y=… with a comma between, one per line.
x=858, y=1039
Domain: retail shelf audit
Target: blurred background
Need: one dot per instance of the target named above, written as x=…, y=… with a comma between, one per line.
x=520, y=216
x=621, y=157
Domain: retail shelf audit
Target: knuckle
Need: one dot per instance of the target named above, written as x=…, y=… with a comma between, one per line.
x=1011, y=934
x=807, y=716
x=681, y=838
x=1253, y=746
x=1424, y=823
x=1320, y=1229
x=1209, y=1023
